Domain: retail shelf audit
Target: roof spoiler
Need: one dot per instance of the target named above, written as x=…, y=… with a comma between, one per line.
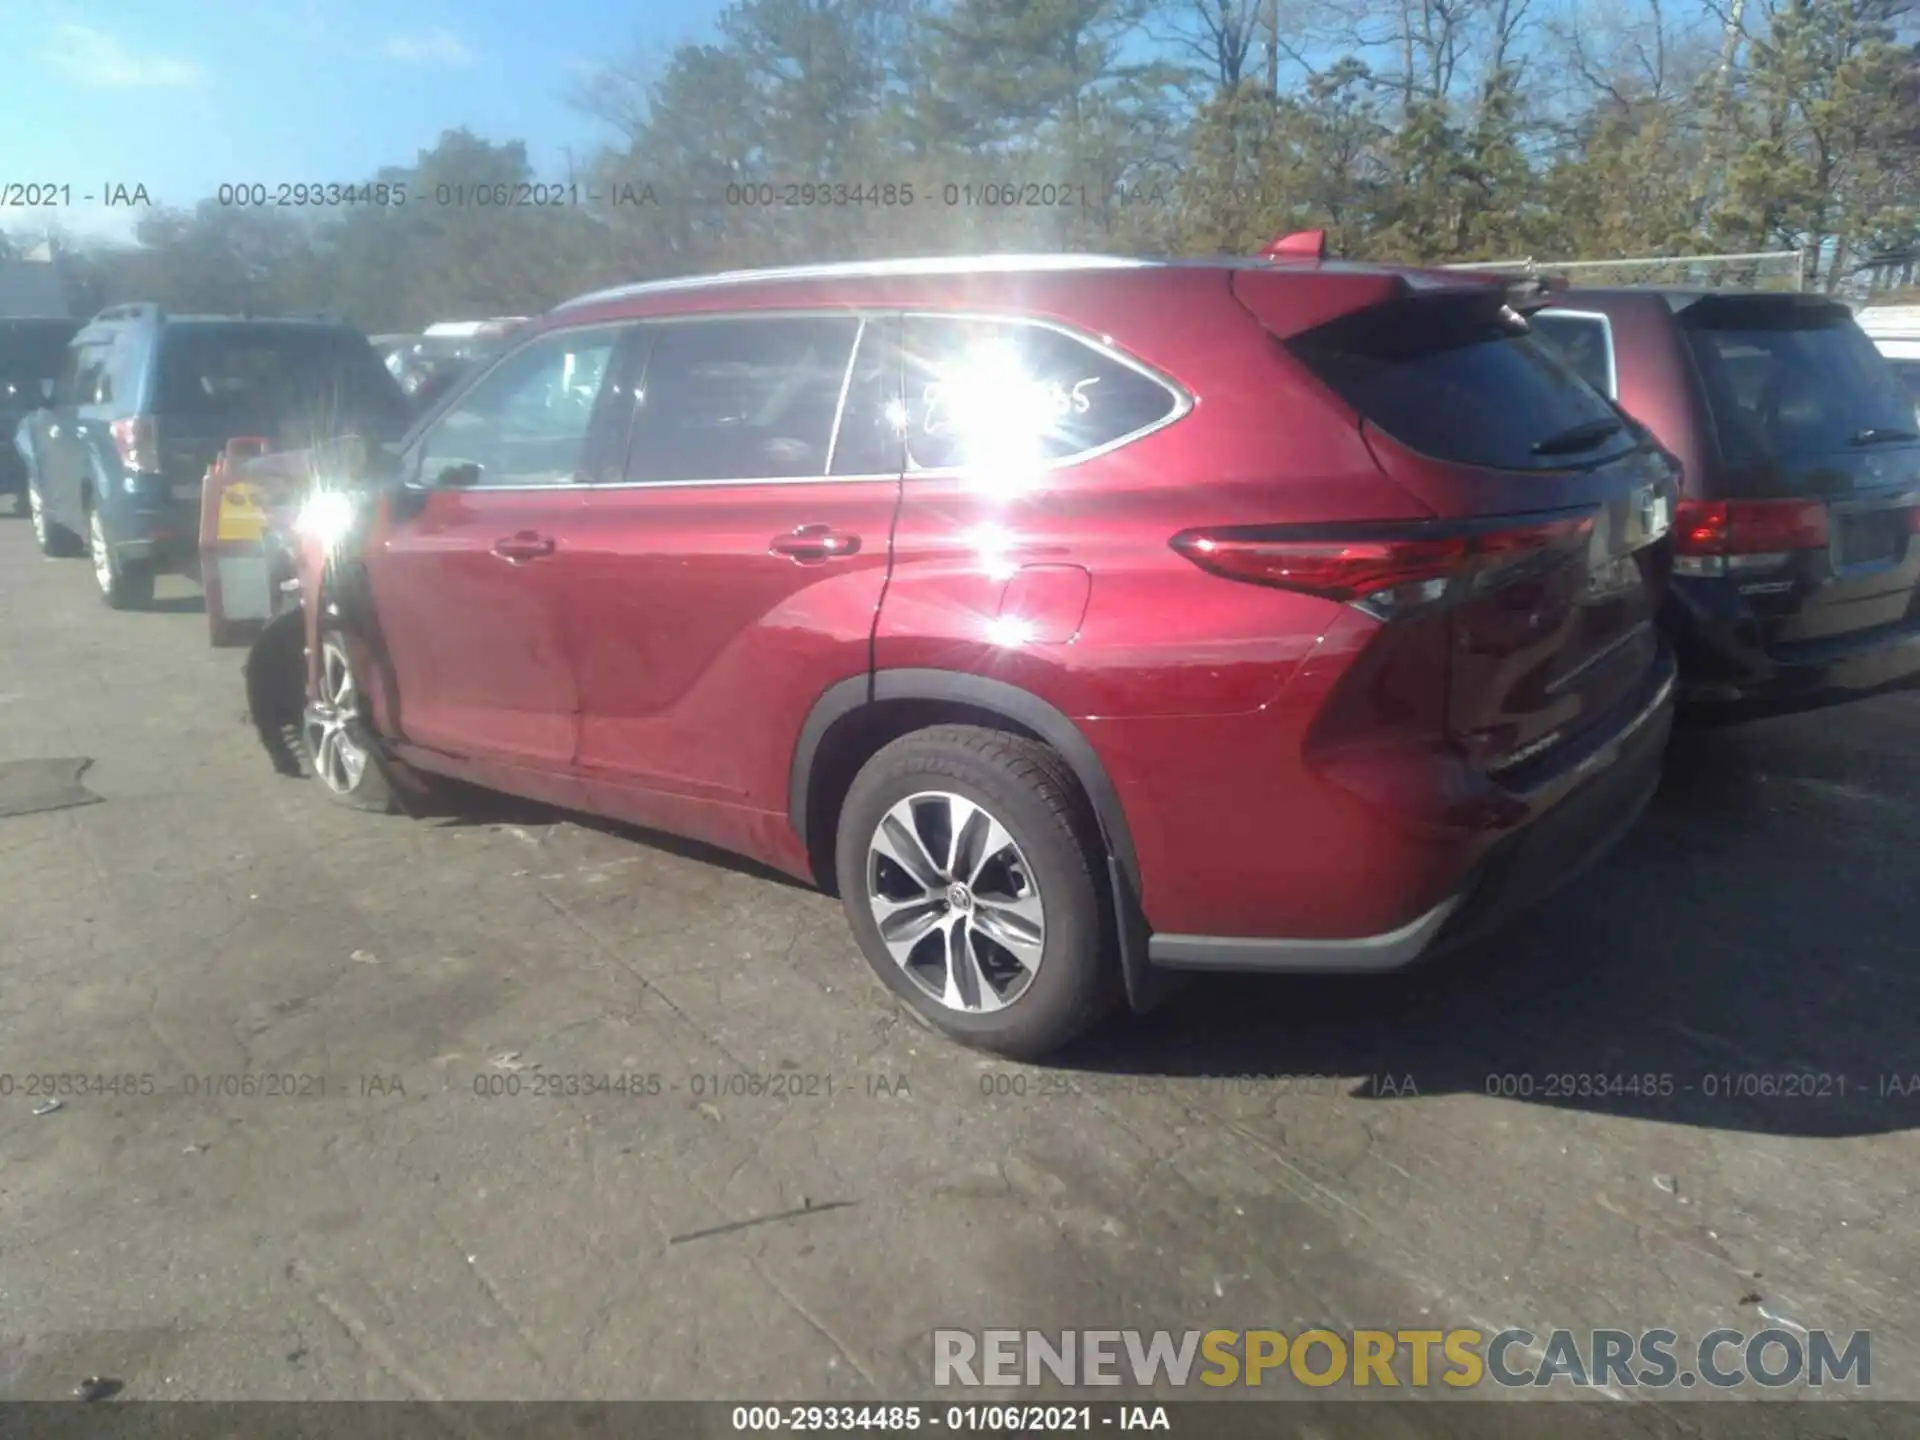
x=1300, y=245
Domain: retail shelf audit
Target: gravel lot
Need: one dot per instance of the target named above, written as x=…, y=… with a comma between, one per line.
x=407, y=1226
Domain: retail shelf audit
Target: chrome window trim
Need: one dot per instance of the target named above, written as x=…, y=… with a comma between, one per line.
x=1183, y=401
x=1606, y=331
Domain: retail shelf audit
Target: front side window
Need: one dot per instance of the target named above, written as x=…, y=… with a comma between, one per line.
x=986, y=392
x=526, y=421
x=1583, y=343
x=741, y=399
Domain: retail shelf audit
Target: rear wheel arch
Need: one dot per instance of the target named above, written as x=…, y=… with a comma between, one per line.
x=853, y=719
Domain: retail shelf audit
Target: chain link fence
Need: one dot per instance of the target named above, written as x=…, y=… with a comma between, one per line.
x=1755, y=270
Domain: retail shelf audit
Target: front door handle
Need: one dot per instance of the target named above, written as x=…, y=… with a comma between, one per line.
x=523, y=546
x=814, y=544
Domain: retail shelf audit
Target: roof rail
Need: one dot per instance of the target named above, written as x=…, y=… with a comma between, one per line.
x=143, y=310
x=1000, y=264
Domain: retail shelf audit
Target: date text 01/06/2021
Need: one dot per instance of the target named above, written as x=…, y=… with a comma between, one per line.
x=983, y=1419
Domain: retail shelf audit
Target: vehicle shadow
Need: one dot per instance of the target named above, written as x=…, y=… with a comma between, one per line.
x=456, y=806
x=178, y=605
x=1742, y=962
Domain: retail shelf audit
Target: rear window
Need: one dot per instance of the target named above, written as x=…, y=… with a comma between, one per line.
x=30, y=354
x=1787, y=379
x=1460, y=378
x=291, y=380
x=1907, y=372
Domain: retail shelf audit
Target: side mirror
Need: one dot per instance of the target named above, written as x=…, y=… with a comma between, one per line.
x=382, y=463
x=458, y=477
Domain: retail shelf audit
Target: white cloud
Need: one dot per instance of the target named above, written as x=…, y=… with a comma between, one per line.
x=431, y=47
x=96, y=58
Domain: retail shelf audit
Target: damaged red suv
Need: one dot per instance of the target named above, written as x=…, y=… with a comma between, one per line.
x=1077, y=619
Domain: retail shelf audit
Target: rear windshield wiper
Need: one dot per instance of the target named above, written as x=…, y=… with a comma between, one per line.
x=1580, y=437
x=1883, y=435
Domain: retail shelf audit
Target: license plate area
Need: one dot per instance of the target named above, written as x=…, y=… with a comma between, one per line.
x=1875, y=538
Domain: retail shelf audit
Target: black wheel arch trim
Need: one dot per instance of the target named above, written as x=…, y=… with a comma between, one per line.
x=1146, y=985
x=1021, y=706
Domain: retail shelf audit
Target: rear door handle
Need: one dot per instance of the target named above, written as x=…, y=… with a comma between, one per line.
x=523, y=546
x=813, y=544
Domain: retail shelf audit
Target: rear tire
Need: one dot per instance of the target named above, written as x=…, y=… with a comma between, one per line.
x=123, y=584
x=55, y=541
x=976, y=854
x=336, y=746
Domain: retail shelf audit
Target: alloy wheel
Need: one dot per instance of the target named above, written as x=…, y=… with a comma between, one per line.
x=955, y=902
x=102, y=558
x=331, y=722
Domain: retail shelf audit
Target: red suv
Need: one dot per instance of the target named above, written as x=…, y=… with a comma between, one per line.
x=1076, y=618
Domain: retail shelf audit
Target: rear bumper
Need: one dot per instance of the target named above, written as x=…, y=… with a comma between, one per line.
x=1724, y=662
x=1593, y=805
x=159, y=537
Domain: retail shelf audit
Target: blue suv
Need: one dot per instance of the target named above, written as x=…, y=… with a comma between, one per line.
x=144, y=403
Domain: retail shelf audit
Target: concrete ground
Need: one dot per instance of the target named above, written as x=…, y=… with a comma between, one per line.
x=435, y=1214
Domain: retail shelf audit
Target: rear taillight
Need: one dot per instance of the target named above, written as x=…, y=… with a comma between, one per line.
x=138, y=441
x=1713, y=537
x=1384, y=574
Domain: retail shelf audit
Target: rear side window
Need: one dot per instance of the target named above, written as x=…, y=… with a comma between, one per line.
x=983, y=392
x=741, y=399
x=300, y=382
x=1786, y=379
x=1584, y=344
x=81, y=380
x=1460, y=378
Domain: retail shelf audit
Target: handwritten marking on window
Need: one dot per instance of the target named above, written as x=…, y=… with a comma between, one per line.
x=969, y=402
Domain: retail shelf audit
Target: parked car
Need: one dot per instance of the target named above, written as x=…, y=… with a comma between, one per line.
x=1077, y=619
x=1895, y=331
x=427, y=364
x=1796, y=572
x=387, y=347
x=30, y=356
x=144, y=403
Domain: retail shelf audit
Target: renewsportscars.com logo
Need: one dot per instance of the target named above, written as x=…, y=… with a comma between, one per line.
x=1596, y=1359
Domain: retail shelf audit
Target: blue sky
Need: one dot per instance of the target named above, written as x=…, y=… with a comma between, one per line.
x=183, y=95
